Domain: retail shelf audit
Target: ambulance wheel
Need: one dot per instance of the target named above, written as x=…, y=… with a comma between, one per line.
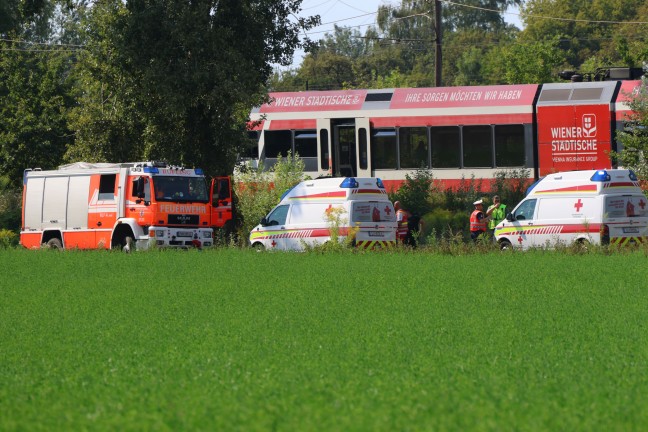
x=582, y=245
x=505, y=245
x=258, y=247
x=55, y=244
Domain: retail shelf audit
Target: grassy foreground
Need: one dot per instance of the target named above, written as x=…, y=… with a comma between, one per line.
x=236, y=340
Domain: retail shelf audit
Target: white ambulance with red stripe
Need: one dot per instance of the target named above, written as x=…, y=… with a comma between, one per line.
x=122, y=205
x=306, y=214
x=589, y=207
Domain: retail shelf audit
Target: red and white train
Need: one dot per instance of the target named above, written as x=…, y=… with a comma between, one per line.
x=456, y=132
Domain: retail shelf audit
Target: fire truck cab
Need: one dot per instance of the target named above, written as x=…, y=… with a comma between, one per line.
x=120, y=205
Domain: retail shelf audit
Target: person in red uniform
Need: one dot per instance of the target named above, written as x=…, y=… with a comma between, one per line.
x=402, y=216
x=478, y=220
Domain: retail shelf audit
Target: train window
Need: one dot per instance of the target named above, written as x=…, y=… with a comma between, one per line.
x=306, y=143
x=383, y=149
x=509, y=146
x=277, y=142
x=324, y=149
x=548, y=95
x=477, y=146
x=413, y=147
x=446, y=147
x=587, y=94
x=362, y=144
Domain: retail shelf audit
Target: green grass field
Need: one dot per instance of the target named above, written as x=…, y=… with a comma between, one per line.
x=237, y=340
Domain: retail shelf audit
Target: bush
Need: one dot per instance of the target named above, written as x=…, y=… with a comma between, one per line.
x=8, y=239
x=259, y=190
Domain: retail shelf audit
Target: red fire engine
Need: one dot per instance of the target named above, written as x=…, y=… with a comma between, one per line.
x=122, y=205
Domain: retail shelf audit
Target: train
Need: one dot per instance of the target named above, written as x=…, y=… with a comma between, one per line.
x=455, y=132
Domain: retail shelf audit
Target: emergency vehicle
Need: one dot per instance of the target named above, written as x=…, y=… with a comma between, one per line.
x=587, y=207
x=304, y=215
x=122, y=205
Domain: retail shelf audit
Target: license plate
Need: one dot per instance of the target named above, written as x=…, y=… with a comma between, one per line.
x=185, y=234
x=631, y=230
x=376, y=234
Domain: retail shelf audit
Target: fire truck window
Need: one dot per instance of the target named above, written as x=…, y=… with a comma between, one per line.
x=446, y=147
x=107, y=187
x=509, y=146
x=477, y=147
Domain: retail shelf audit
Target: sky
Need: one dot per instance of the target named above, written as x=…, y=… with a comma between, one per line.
x=357, y=14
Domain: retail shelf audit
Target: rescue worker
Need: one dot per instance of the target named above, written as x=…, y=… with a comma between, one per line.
x=496, y=212
x=477, y=220
x=402, y=217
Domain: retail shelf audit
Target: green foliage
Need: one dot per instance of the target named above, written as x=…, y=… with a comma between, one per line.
x=259, y=190
x=10, y=206
x=634, y=137
x=8, y=239
x=416, y=192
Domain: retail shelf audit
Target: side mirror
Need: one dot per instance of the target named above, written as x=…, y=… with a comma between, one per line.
x=264, y=222
x=510, y=218
x=139, y=187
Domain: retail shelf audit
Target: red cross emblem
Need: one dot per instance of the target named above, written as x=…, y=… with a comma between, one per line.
x=642, y=204
x=388, y=210
x=329, y=209
x=274, y=243
x=578, y=205
x=520, y=239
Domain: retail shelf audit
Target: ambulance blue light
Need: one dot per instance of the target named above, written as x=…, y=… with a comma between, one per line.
x=199, y=171
x=151, y=170
x=632, y=175
x=601, y=176
x=380, y=183
x=349, y=182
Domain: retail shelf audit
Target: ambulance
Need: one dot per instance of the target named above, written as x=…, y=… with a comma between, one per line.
x=595, y=207
x=303, y=217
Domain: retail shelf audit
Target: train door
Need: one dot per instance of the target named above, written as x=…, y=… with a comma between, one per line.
x=363, y=149
x=344, y=148
x=324, y=153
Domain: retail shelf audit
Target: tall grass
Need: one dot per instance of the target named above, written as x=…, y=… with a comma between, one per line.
x=236, y=340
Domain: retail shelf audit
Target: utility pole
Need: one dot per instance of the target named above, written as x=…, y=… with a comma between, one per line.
x=438, y=63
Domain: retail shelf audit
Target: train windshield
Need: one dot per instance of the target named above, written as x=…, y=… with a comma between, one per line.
x=181, y=189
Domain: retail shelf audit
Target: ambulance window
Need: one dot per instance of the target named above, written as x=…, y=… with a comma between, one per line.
x=107, y=187
x=278, y=216
x=526, y=210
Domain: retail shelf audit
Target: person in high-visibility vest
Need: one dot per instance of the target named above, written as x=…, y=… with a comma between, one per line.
x=477, y=220
x=496, y=212
x=402, y=217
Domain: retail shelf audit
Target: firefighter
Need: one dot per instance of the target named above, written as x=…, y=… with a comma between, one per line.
x=402, y=217
x=478, y=220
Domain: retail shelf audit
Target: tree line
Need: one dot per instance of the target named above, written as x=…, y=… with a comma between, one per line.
x=114, y=80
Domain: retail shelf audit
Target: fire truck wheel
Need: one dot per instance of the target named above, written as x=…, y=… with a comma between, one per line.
x=128, y=245
x=54, y=243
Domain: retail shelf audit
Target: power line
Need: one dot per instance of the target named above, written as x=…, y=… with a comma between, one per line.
x=544, y=17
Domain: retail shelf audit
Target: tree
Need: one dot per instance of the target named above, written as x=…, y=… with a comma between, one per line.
x=586, y=28
x=634, y=137
x=176, y=79
x=35, y=86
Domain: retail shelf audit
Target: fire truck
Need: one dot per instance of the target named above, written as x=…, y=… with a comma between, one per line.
x=134, y=205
